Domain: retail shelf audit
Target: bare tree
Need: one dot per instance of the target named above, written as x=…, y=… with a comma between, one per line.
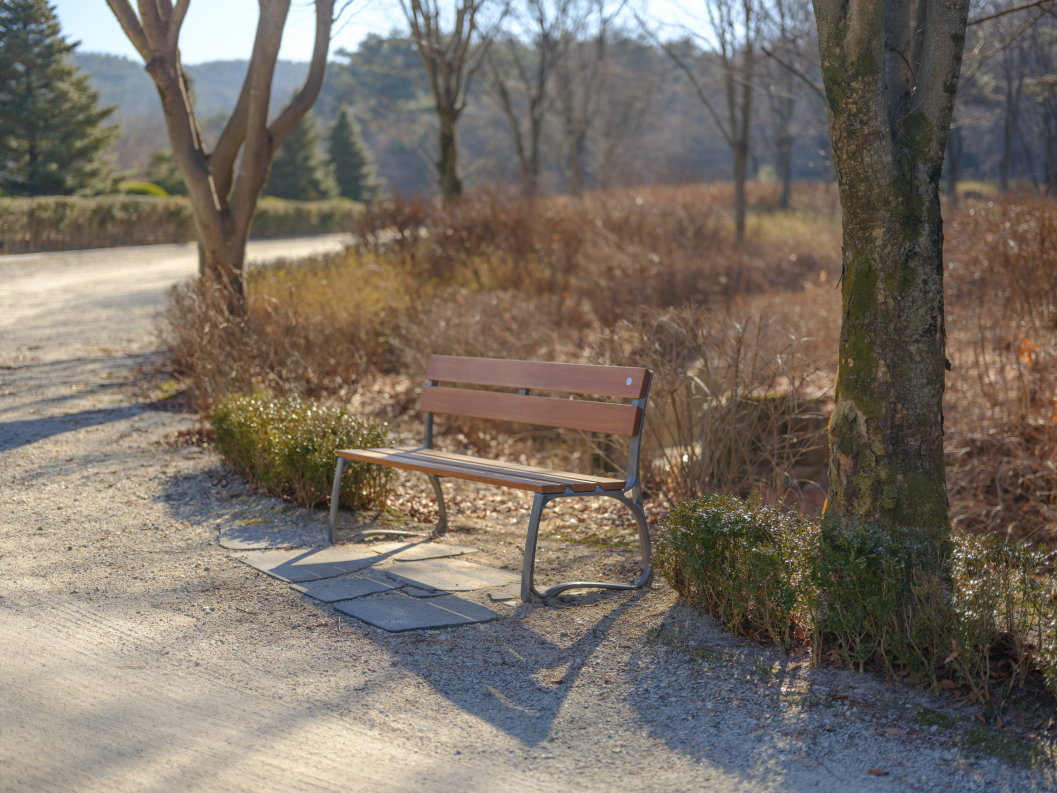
x=790, y=46
x=581, y=77
x=736, y=29
x=889, y=123
x=223, y=201
x=531, y=66
x=451, y=61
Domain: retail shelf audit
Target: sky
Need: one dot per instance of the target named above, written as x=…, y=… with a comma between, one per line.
x=223, y=29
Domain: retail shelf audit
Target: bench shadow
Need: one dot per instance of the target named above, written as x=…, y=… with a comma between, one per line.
x=19, y=433
x=508, y=693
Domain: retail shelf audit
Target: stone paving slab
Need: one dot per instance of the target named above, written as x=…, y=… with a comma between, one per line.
x=417, y=551
x=418, y=592
x=348, y=588
x=450, y=575
x=310, y=564
x=246, y=538
x=507, y=593
x=400, y=613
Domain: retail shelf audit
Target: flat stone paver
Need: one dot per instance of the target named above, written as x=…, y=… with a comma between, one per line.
x=450, y=575
x=355, y=586
x=310, y=564
x=417, y=551
x=400, y=613
x=247, y=538
x=509, y=592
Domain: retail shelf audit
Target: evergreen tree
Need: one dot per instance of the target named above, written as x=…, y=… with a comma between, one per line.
x=353, y=163
x=300, y=171
x=52, y=138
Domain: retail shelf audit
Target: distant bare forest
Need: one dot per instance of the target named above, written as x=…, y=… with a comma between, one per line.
x=639, y=104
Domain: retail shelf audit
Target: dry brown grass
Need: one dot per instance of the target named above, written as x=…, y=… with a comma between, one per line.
x=1002, y=341
x=652, y=274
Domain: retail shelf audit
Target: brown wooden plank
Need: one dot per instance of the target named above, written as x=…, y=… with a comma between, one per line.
x=570, y=414
x=457, y=466
x=615, y=381
x=475, y=464
x=607, y=482
x=397, y=459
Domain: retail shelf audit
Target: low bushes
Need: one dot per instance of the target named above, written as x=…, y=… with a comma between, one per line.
x=31, y=225
x=288, y=447
x=969, y=610
x=743, y=562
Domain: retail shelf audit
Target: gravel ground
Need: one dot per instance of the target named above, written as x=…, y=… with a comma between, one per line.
x=139, y=654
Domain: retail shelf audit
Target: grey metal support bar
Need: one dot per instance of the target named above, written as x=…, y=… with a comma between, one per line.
x=335, y=497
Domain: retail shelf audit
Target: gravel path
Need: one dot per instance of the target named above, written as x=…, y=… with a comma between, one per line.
x=139, y=655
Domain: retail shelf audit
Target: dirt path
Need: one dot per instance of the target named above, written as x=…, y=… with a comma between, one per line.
x=138, y=655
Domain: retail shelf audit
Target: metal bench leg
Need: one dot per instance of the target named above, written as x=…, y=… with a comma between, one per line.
x=528, y=591
x=442, y=514
x=530, y=594
x=335, y=497
x=645, y=546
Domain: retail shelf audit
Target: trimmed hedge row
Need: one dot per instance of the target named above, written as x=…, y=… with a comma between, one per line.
x=968, y=609
x=65, y=223
x=288, y=446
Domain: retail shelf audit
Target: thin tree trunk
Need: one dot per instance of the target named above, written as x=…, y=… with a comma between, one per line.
x=741, y=166
x=447, y=164
x=1009, y=123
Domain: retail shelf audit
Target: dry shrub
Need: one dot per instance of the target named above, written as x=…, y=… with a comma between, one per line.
x=208, y=345
x=311, y=329
x=735, y=404
x=607, y=255
x=1002, y=316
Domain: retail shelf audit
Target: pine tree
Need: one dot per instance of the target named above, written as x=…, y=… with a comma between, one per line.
x=353, y=163
x=300, y=171
x=52, y=138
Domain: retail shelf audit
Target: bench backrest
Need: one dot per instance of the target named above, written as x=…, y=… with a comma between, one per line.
x=574, y=414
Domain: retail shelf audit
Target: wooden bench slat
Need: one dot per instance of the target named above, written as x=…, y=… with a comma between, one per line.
x=573, y=481
x=395, y=458
x=570, y=414
x=540, y=376
x=586, y=478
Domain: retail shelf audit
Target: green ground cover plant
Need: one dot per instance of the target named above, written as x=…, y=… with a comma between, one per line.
x=288, y=446
x=977, y=613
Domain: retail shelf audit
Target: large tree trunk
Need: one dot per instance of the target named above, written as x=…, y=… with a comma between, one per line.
x=223, y=201
x=886, y=434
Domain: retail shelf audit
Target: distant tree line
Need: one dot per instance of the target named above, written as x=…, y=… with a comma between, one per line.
x=552, y=95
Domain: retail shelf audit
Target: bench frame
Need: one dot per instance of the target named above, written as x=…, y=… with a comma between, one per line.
x=630, y=495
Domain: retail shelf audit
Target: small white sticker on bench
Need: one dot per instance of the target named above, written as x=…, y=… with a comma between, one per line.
x=629, y=381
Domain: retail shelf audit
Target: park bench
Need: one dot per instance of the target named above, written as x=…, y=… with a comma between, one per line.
x=576, y=414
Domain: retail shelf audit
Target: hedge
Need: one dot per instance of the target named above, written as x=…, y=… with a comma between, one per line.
x=64, y=223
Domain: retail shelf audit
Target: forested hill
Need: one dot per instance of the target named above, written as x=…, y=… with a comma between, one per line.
x=215, y=84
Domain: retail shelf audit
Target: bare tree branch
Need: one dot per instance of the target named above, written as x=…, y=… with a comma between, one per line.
x=129, y=22
x=796, y=72
x=1025, y=7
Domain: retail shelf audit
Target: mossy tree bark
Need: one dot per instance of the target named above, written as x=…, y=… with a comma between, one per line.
x=223, y=201
x=889, y=125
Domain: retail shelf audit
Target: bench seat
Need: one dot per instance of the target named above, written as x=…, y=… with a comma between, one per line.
x=476, y=469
